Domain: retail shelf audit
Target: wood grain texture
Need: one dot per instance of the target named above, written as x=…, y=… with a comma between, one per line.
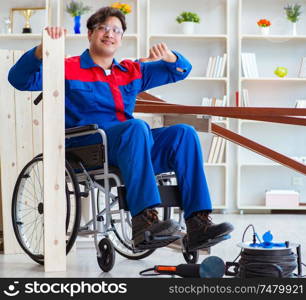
x=54, y=153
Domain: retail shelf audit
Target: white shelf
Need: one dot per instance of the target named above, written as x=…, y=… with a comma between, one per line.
x=272, y=37
x=223, y=165
x=189, y=36
x=262, y=207
x=219, y=207
x=260, y=165
x=24, y=36
x=254, y=175
x=273, y=79
x=207, y=78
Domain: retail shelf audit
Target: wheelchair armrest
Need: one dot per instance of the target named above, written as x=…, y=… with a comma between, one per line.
x=81, y=129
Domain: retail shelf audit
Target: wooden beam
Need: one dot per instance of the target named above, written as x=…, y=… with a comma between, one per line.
x=258, y=148
x=54, y=153
x=219, y=111
x=8, y=153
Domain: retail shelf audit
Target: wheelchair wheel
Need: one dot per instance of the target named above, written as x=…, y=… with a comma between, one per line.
x=107, y=259
x=120, y=246
x=28, y=209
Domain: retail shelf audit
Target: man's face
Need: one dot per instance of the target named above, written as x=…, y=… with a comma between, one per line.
x=106, y=38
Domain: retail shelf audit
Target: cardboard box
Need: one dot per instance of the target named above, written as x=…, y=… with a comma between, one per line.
x=282, y=199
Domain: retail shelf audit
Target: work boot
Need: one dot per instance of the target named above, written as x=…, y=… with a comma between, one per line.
x=148, y=220
x=202, y=233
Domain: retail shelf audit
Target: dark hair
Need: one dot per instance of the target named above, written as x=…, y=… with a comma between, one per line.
x=102, y=14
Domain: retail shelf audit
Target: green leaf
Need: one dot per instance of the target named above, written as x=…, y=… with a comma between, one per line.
x=188, y=17
x=77, y=8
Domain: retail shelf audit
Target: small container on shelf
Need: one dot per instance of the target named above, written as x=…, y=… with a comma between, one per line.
x=282, y=199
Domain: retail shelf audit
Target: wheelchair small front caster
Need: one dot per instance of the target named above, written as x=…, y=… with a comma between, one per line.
x=107, y=259
x=191, y=257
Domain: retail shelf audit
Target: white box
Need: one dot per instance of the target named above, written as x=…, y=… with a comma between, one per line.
x=282, y=199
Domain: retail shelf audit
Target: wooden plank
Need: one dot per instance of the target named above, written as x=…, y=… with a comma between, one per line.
x=1, y=215
x=36, y=125
x=258, y=148
x=23, y=109
x=235, y=112
x=8, y=154
x=54, y=153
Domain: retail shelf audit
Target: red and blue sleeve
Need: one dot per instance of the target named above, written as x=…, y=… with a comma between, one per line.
x=160, y=72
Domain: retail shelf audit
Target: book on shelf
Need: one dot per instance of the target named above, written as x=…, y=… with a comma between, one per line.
x=215, y=72
x=302, y=68
x=221, y=152
x=217, y=150
x=212, y=149
x=216, y=66
x=209, y=67
x=249, y=65
x=245, y=98
x=213, y=65
x=222, y=71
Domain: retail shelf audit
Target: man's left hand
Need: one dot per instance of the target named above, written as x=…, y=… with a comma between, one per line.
x=158, y=52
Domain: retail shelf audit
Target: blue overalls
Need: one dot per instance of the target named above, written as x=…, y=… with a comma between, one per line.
x=93, y=97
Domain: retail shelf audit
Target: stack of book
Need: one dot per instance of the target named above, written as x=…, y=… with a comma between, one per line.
x=216, y=152
x=216, y=66
x=215, y=102
x=249, y=65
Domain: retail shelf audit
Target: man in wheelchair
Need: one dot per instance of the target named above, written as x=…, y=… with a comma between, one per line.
x=100, y=90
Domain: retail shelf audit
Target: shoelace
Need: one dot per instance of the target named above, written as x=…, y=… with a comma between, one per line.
x=205, y=217
x=152, y=215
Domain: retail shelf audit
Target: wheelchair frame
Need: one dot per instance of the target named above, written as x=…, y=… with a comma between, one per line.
x=102, y=222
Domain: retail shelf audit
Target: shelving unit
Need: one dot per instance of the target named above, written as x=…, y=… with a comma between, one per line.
x=75, y=43
x=209, y=41
x=256, y=174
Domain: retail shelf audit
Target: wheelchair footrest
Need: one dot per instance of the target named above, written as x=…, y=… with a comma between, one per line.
x=207, y=244
x=153, y=242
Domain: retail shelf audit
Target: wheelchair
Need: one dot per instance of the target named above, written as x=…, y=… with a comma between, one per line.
x=88, y=173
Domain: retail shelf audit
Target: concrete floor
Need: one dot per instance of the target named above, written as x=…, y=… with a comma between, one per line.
x=82, y=263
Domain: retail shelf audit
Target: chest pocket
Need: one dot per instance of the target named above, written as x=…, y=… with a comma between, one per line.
x=82, y=96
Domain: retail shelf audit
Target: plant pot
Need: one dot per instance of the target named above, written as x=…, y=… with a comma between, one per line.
x=77, y=24
x=188, y=27
x=265, y=30
x=294, y=28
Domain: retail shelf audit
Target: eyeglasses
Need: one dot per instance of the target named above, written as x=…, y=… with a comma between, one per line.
x=107, y=28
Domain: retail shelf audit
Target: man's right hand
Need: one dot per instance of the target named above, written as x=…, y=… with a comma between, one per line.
x=54, y=33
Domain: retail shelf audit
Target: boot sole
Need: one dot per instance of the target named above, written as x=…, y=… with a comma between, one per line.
x=142, y=238
x=209, y=243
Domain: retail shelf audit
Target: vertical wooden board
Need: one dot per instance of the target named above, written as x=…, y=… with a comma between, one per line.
x=8, y=155
x=54, y=153
x=1, y=215
x=23, y=124
x=36, y=125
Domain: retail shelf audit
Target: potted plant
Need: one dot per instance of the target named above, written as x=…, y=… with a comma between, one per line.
x=76, y=9
x=293, y=13
x=264, y=26
x=188, y=19
x=123, y=7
